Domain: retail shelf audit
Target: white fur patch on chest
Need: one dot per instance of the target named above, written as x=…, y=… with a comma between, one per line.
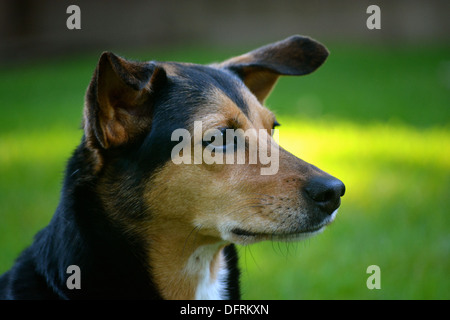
x=208, y=265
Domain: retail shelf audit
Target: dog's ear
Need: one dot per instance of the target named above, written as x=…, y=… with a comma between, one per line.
x=118, y=104
x=260, y=68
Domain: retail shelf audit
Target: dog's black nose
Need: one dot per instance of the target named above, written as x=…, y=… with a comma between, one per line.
x=326, y=192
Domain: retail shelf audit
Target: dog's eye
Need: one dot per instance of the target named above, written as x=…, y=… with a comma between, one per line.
x=217, y=139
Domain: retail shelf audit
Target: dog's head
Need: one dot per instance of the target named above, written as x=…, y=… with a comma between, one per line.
x=132, y=110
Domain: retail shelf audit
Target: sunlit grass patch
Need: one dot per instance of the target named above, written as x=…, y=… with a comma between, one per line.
x=31, y=172
x=383, y=157
x=41, y=148
x=381, y=142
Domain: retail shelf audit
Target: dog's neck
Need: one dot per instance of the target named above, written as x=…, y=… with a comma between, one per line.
x=165, y=261
x=186, y=266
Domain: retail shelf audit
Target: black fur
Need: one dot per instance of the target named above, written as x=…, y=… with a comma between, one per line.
x=80, y=233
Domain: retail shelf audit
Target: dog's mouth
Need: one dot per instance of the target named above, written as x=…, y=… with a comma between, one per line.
x=248, y=236
x=246, y=233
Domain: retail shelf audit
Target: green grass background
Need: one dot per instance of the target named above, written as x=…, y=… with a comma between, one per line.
x=377, y=117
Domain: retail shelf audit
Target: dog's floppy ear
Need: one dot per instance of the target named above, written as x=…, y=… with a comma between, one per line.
x=118, y=100
x=260, y=68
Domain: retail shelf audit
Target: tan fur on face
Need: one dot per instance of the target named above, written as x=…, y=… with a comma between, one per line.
x=184, y=215
x=193, y=205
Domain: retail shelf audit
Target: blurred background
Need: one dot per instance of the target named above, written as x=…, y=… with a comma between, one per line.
x=376, y=115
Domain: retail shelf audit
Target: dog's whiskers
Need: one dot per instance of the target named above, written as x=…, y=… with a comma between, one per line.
x=198, y=227
x=243, y=207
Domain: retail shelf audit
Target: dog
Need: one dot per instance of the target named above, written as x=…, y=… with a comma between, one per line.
x=132, y=224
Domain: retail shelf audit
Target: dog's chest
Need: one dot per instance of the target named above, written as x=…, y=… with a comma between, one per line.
x=208, y=265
